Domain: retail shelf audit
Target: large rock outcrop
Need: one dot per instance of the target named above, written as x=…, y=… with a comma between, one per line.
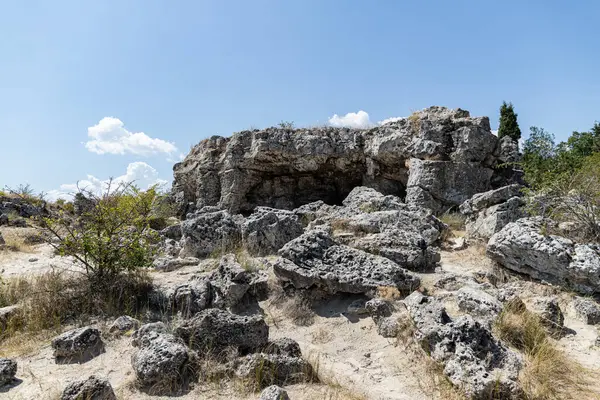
x=523, y=247
x=436, y=158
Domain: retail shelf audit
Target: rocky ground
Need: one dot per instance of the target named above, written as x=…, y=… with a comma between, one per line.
x=359, y=288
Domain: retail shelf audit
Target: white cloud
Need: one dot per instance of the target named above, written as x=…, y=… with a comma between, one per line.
x=139, y=173
x=359, y=120
x=495, y=133
x=110, y=136
x=388, y=120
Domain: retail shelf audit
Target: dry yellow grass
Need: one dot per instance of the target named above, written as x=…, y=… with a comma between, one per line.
x=17, y=239
x=389, y=293
x=548, y=374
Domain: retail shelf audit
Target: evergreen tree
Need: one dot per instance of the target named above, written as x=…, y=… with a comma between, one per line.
x=508, y=123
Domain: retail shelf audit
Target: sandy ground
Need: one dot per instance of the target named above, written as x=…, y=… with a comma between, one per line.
x=352, y=360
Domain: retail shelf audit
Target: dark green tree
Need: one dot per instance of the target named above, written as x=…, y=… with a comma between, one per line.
x=508, y=123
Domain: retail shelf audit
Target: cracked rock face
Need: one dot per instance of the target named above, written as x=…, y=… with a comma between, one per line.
x=472, y=357
x=77, y=345
x=8, y=370
x=266, y=230
x=491, y=211
x=315, y=259
x=436, y=158
x=521, y=247
x=216, y=330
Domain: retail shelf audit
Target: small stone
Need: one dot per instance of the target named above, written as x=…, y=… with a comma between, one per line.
x=92, y=388
x=8, y=370
x=274, y=392
x=33, y=259
x=124, y=324
x=587, y=310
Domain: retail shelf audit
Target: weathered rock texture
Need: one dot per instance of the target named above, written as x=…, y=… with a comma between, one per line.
x=473, y=359
x=491, y=211
x=77, y=345
x=162, y=363
x=315, y=259
x=93, y=388
x=8, y=370
x=522, y=247
x=215, y=331
x=436, y=158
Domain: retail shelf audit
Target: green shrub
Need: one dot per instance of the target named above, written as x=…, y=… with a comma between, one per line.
x=112, y=236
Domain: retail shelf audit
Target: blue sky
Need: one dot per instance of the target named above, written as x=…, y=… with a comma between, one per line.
x=180, y=71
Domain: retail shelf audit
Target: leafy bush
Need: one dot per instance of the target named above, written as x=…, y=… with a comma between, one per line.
x=111, y=236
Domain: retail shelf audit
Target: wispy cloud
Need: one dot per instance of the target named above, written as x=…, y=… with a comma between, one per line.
x=140, y=173
x=110, y=136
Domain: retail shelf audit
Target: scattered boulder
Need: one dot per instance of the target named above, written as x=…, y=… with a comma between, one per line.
x=77, y=345
x=3, y=219
x=215, y=330
x=22, y=206
x=124, y=324
x=92, y=388
x=473, y=359
x=273, y=369
x=266, y=230
x=315, y=259
x=274, y=392
x=587, y=310
x=521, y=246
x=162, y=363
x=491, y=211
x=8, y=370
x=206, y=233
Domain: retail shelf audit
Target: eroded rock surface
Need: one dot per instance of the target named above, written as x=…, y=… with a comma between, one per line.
x=472, y=357
x=436, y=158
x=77, y=345
x=491, y=211
x=92, y=388
x=315, y=259
x=8, y=370
x=522, y=247
x=215, y=331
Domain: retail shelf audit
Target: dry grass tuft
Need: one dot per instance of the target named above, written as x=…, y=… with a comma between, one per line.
x=548, y=373
x=389, y=293
x=48, y=301
x=456, y=225
x=18, y=240
x=321, y=336
x=299, y=311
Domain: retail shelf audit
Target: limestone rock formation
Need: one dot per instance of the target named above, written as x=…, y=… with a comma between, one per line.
x=522, y=247
x=315, y=259
x=210, y=231
x=472, y=357
x=92, y=388
x=491, y=211
x=266, y=230
x=77, y=345
x=435, y=158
